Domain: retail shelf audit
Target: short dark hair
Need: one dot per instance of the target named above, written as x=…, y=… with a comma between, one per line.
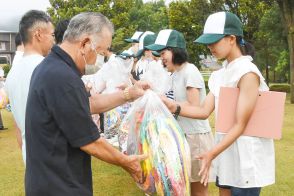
x=180, y=55
x=30, y=20
x=60, y=29
x=17, y=40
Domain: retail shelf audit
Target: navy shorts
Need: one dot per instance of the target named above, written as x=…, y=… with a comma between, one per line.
x=235, y=191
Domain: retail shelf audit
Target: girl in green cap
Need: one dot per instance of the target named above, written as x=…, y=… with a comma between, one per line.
x=243, y=164
x=188, y=89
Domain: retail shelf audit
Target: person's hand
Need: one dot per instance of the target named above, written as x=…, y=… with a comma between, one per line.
x=170, y=104
x=138, y=89
x=122, y=86
x=133, y=167
x=88, y=86
x=206, y=160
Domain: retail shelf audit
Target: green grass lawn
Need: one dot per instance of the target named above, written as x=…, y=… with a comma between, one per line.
x=112, y=181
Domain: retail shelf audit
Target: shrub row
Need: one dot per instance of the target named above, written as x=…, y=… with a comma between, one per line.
x=280, y=87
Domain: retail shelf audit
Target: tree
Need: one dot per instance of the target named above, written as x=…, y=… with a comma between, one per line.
x=270, y=40
x=115, y=10
x=126, y=15
x=250, y=12
x=188, y=17
x=287, y=10
x=150, y=16
x=282, y=67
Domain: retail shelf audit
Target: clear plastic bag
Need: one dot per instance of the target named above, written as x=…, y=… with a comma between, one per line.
x=113, y=74
x=116, y=73
x=149, y=128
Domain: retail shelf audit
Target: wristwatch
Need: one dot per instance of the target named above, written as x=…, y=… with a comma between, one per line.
x=177, y=112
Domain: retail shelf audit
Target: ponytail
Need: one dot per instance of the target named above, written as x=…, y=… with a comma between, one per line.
x=246, y=47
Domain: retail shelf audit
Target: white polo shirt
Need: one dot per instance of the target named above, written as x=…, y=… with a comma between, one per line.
x=17, y=57
x=249, y=161
x=17, y=87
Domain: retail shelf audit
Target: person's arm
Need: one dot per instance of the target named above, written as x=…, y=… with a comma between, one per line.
x=248, y=86
x=201, y=111
x=192, y=101
x=105, y=152
x=100, y=103
x=18, y=134
x=193, y=95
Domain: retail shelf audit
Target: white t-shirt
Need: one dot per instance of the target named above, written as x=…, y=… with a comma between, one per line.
x=17, y=57
x=249, y=161
x=143, y=65
x=189, y=76
x=17, y=87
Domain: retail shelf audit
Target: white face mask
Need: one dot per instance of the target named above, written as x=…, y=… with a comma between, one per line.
x=99, y=60
x=93, y=68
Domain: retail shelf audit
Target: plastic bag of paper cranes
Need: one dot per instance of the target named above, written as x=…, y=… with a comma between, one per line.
x=149, y=128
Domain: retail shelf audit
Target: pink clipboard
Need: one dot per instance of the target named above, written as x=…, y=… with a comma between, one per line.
x=266, y=120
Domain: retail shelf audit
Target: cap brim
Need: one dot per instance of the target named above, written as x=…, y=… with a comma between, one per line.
x=125, y=55
x=157, y=54
x=155, y=47
x=209, y=38
x=129, y=40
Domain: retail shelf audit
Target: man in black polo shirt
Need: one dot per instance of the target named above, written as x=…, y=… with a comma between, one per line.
x=60, y=132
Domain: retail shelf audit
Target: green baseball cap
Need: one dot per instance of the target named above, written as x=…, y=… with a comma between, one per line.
x=168, y=38
x=218, y=25
x=146, y=39
x=126, y=54
x=135, y=38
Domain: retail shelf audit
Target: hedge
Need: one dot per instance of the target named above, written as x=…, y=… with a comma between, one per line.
x=280, y=87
